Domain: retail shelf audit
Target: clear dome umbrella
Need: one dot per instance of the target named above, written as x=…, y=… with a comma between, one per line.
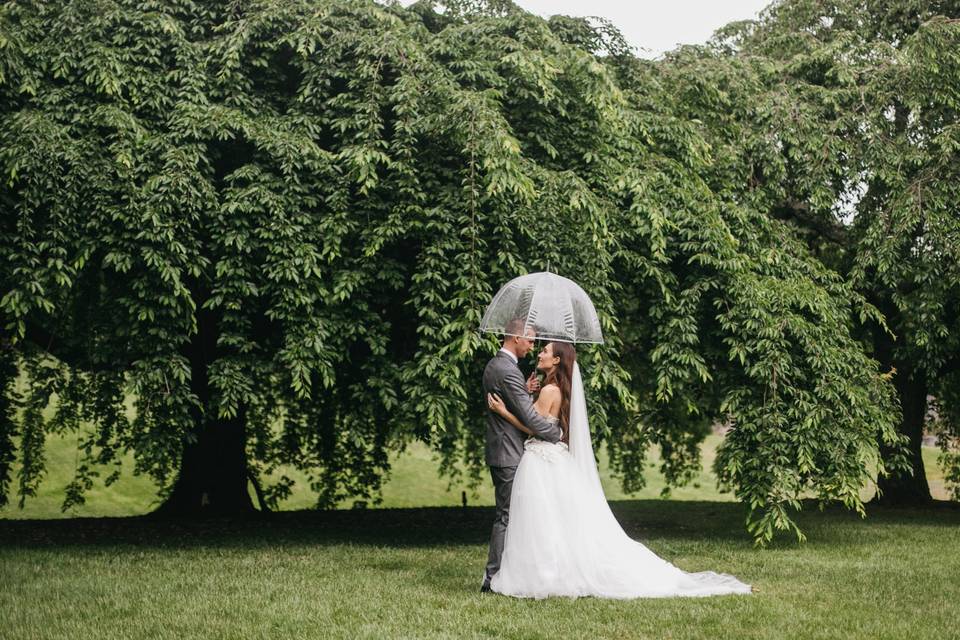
x=555, y=307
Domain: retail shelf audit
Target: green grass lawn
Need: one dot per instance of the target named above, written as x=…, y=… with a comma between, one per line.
x=414, y=573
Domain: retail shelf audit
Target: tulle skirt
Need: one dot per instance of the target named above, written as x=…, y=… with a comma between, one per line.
x=563, y=540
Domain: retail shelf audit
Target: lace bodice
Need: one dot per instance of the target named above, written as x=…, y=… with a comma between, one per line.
x=549, y=451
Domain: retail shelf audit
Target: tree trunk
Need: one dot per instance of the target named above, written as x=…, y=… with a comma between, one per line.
x=213, y=471
x=904, y=488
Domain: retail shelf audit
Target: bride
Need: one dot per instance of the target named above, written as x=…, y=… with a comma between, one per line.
x=562, y=539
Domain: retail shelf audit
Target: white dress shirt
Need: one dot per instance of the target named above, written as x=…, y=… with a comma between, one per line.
x=510, y=353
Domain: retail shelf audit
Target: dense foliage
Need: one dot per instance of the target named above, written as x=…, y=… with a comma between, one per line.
x=277, y=224
x=851, y=134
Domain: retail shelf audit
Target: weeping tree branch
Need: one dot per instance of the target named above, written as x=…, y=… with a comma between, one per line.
x=75, y=357
x=799, y=213
x=951, y=366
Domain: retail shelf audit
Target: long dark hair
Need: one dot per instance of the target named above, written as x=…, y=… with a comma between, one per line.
x=562, y=376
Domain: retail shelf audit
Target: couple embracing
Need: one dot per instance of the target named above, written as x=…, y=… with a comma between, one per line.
x=554, y=533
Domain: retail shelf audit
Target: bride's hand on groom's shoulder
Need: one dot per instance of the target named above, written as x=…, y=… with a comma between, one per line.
x=496, y=404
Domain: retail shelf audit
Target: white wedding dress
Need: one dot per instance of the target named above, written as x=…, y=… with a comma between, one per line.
x=563, y=540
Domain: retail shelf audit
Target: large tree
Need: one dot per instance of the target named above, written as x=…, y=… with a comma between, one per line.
x=276, y=224
x=842, y=115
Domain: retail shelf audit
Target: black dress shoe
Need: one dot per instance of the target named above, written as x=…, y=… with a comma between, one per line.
x=485, y=587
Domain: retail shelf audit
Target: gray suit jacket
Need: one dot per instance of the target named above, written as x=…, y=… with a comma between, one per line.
x=504, y=441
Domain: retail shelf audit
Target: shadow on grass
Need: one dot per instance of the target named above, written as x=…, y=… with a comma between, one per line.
x=668, y=520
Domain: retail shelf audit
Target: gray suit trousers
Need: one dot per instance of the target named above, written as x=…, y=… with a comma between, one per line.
x=502, y=486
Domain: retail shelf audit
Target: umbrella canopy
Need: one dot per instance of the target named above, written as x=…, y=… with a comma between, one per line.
x=555, y=307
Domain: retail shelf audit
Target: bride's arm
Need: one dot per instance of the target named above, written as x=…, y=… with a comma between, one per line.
x=496, y=405
x=549, y=395
x=514, y=392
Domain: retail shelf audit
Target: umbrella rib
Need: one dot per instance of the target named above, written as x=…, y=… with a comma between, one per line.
x=569, y=321
x=532, y=311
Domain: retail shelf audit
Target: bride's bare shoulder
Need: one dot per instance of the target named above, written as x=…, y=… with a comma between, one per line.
x=550, y=390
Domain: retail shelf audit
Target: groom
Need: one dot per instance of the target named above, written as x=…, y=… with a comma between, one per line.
x=504, y=441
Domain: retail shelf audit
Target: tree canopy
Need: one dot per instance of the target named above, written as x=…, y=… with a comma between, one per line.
x=856, y=106
x=277, y=224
